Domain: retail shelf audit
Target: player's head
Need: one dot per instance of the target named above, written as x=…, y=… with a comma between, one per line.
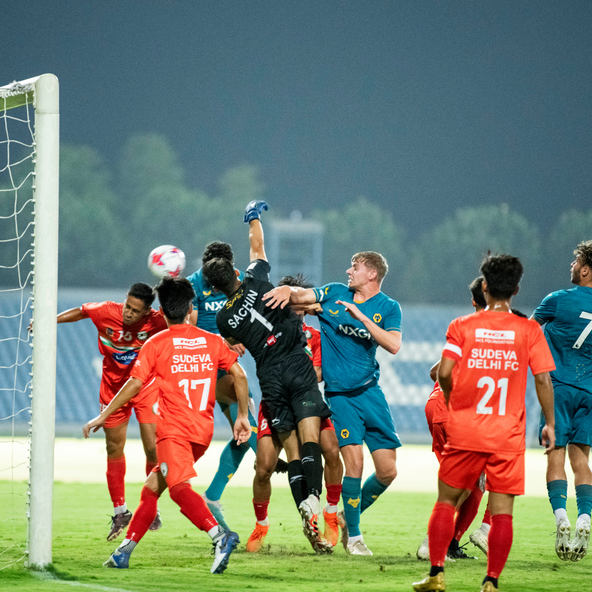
x=221, y=275
x=367, y=266
x=215, y=250
x=175, y=295
x=581, y=268
x=502, y=274
x=137, y=303
x=476, y=287
x=297, y=281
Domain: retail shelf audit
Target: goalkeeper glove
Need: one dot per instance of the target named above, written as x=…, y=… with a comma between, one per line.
x=253, y=210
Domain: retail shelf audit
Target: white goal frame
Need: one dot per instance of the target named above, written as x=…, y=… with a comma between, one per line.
x=43, y=93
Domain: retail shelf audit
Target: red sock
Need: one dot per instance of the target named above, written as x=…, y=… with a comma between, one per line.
x=500, y=543
x=333, y=494
x=440, y=532
x=116, y=480
x=487, y=516
x=143, y=516
x=193, y=506
x=260, y=510
x=149, y=466
x=467, y=512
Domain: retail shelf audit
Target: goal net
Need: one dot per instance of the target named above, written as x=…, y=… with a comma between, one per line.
x=29, y=174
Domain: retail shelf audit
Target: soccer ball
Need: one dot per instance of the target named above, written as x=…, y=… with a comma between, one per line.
x=166, y=260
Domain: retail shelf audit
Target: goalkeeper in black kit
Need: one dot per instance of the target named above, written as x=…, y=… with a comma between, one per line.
x=288, y=381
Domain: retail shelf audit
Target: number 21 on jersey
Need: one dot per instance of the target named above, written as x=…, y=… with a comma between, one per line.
x=489, y=384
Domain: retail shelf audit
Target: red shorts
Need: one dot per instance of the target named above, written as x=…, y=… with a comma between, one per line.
x=265, y=429
x=505, y=472
x=438, y=431
x=176, y=459
x=142, y=404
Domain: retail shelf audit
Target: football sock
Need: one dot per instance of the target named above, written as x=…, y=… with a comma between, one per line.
x=297, y=482
x=333, y=494
x=261, y=512
x=440, y=532
x=116, y=480
x=351, y=493
x=584, y=499
x=216, y=532
x=467, y=512
x=120, y=509
x=500, y=543
x=252, y=420
x=127, y=546
x=230, y=459
x=143, y=516
x=312, y=467
x=149, y=466
x=488, y=579
x=487, y=515
x=435, y=570
x=371, y=491
x=193, y=506
x=557, y=491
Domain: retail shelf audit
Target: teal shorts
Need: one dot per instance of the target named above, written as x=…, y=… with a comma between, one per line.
x=573, y=415
x=363, y=417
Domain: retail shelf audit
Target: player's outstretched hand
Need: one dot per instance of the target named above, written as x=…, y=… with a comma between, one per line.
x=277, y=297
x=94, y=425
x=254, y=209
x=548, y=438
x=242, y=430
x=353, y=310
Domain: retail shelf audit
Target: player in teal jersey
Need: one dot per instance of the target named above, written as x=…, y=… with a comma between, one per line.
x=567, y=316
x=355, y=320
x=206, y=304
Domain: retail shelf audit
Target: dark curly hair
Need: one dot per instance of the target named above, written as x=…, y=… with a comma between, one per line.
x=502, y=274
x=216, y=250
x=175, y=295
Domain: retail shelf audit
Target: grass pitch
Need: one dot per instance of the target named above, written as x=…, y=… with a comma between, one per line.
x=177, y=558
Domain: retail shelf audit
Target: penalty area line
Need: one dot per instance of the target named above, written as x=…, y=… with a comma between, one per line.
x=49, y=577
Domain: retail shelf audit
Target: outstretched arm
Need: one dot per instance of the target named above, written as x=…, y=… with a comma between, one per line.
x=289, y=295
x=256, y=241
x=71, y=316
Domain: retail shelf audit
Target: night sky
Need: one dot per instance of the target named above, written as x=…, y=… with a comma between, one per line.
x=421, y=106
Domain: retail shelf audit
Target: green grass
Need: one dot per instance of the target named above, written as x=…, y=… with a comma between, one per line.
x=177, y=558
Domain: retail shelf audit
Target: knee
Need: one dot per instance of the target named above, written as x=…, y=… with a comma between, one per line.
x=386, y=475
x=264, y=471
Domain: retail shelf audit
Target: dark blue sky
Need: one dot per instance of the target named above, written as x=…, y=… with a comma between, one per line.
x=422, y=106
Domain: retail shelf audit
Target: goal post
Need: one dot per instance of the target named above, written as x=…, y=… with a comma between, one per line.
x=43, y=93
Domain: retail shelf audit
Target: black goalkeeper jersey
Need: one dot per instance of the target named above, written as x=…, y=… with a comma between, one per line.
x=269, y=334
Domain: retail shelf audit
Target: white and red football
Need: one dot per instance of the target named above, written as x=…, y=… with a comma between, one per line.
x=166, y=260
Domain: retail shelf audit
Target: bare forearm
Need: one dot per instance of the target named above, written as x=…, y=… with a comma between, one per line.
x=70, y=316
x=129, y=390
x=241, y=389
x=256, y=241
x=388, y=340
x=544, y=390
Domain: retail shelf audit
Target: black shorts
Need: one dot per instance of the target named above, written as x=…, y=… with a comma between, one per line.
x=291, y=393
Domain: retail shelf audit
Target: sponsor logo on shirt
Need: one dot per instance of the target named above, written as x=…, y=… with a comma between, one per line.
x=333, y=312
x=214, y=306
x=195, y=343
x=355, y=332
x=143, y=335
x=125, y=358
x=489, y=336
x=208, y=293
x=271, y=340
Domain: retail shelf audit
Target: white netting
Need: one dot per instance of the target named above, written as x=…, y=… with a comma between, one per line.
x=17, y=181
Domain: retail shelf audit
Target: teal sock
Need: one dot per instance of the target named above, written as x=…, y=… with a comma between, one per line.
x=371, y=491
x=557, y=491
x=230, y=459
x=351, y=493
x=584, y=499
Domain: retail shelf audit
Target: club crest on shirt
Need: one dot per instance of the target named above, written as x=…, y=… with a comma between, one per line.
x=307, y=334
x=143, y=335
x=109, y=332
x=377, y=318
x=164, y=469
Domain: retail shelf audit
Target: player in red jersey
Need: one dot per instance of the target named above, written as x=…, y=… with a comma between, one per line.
x=269, y=447
x=437, y=417
x=487, y=415
x=185, y=360
x=123, y=329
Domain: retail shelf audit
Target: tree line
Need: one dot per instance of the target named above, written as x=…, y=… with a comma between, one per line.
x=111, y=219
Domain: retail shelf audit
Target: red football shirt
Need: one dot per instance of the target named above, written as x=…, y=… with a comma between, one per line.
x=185, y=360
x=493, y=351
x=118, y=343
x=313, y=340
